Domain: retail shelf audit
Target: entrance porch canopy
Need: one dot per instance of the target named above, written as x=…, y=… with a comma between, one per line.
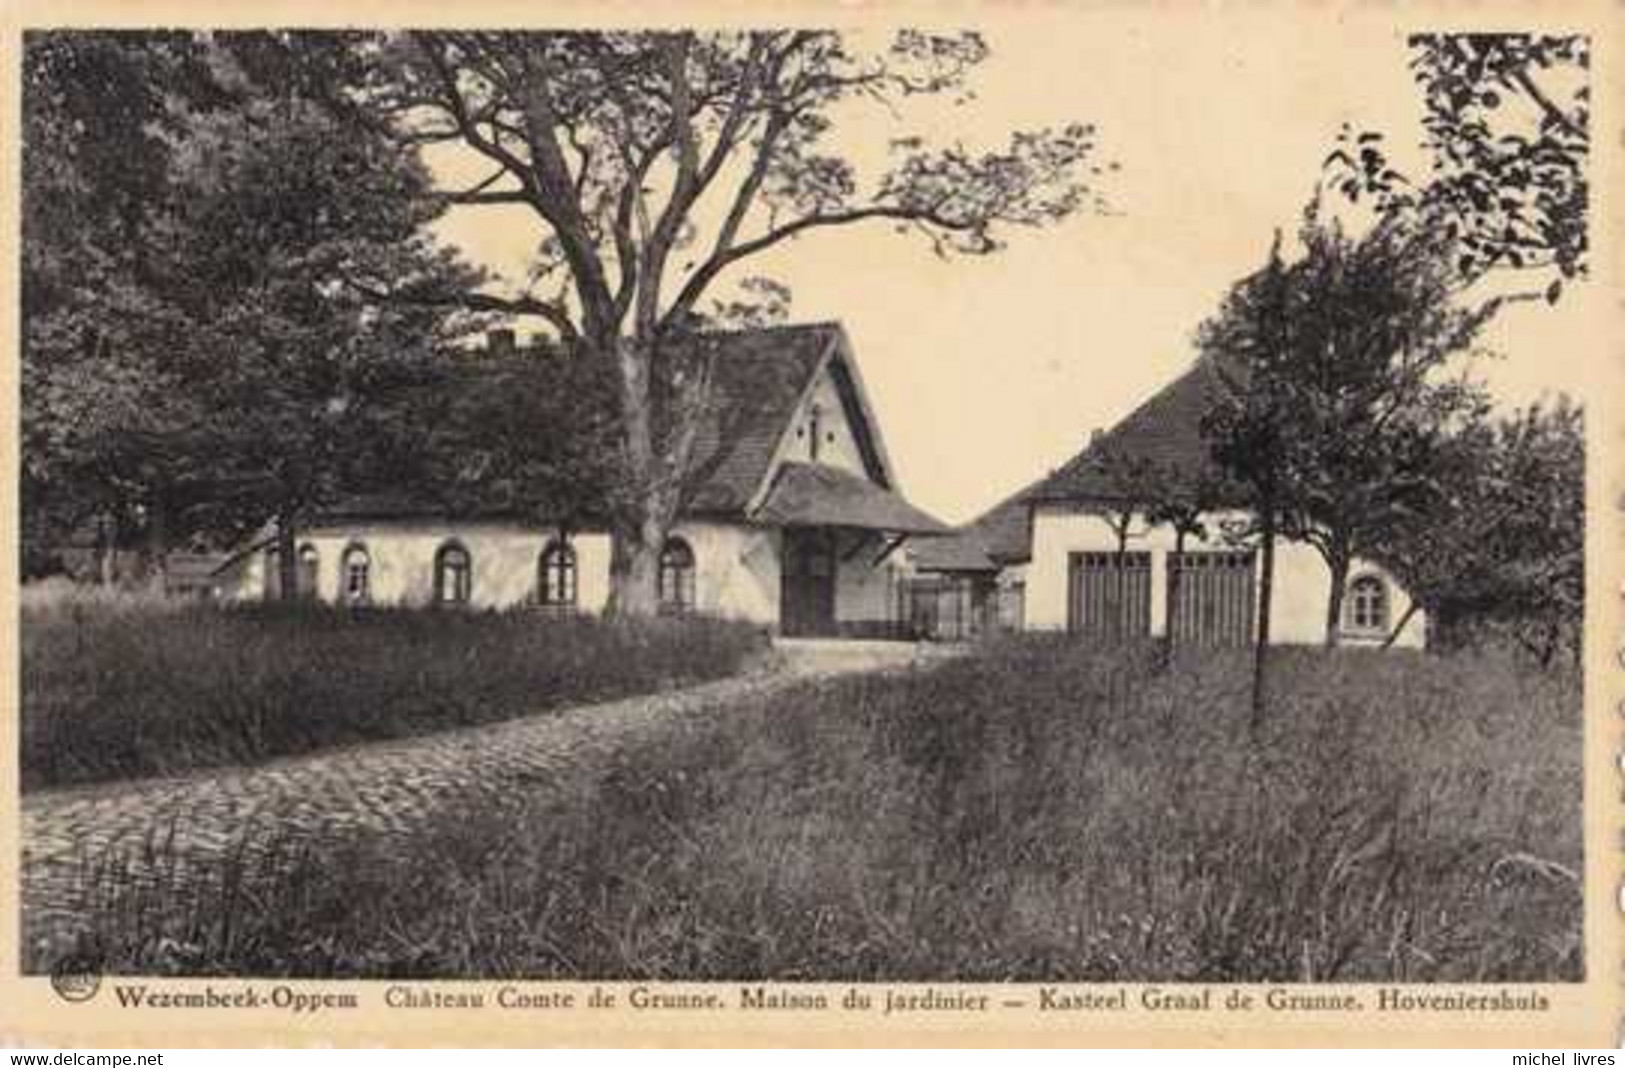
x=815, y=495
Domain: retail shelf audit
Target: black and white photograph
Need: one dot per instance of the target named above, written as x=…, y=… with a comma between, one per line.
x=1008, y=497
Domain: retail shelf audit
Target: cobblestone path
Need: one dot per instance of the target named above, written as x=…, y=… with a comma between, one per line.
x=157, y=830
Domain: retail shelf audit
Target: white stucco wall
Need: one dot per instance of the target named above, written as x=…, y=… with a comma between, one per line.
x=837, y=447
x=738, y=574
x=505, y=559
x=1298, y=604
x=736, y=569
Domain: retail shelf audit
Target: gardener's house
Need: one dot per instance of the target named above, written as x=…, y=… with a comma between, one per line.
x=793, y=519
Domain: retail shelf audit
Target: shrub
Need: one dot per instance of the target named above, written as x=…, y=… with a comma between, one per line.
x=1035, y=812
x=123, y=689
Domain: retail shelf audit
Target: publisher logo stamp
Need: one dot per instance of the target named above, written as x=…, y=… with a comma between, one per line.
x=76, y=977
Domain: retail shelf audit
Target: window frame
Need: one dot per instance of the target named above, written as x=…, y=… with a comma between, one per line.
x=1358, y=604
x=463, y=591
x=678, y=595
x=347, y=595
x=558, y=557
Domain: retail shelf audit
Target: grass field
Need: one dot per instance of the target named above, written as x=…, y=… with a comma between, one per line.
x=120, y=689
x=1033, y=812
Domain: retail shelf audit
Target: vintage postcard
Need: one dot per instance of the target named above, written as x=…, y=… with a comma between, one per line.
x=813, y=523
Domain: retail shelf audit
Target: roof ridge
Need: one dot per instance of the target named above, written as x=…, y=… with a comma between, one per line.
x=1137, y=411
x=1008, y=499
x=1166, y=427
x=774, y=328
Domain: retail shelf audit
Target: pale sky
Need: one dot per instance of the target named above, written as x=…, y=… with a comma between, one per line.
x=987, y=373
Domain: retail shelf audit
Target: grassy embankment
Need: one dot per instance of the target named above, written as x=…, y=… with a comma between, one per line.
x=122, y=688
x=1036, y=811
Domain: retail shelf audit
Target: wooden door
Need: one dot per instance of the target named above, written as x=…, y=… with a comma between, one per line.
x=1211, y=598
x=1109, y=597
x=807, y=582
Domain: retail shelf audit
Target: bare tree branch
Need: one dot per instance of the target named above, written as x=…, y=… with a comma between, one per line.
x=1559, y=117
x=453, y=103
x=714, y=265
x=554, y=313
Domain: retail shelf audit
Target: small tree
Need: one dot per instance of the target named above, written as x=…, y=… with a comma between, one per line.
x=1131, y=494
x=1367, y=329
x=1505, y=546
x=1183, y=498
x=1375, y=328
x=1248, y=343
x=1154, y=493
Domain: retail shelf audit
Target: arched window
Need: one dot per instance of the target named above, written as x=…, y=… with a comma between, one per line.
x=309, y=569
x=1367, y=604
x=356, y=575
x=556, y=577
x=453, y=574
x=676, y=576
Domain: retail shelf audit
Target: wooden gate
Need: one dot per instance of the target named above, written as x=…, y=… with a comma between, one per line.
x=1106, y=603
x=1210, y=598
x=946, y=607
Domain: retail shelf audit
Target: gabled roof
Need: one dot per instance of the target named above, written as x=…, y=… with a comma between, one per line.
x=760, y=377
x=960, y=551
x=998, y=537
x=759, y=381
x=1165, y=430
x=1006, y=529
x=816, y=495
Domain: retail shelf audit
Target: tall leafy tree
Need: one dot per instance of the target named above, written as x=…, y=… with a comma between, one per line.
x=223, y=371
x=96, y=398
x=1505, y=206
x=1337, y=399
x=655, y=165
x=277, y=203
x=526, y=430
x=1507, y=127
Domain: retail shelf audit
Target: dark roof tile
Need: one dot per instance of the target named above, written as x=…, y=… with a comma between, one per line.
x=757, y=380
x=1166, y=430
x=819, y=495
x=998, y=537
